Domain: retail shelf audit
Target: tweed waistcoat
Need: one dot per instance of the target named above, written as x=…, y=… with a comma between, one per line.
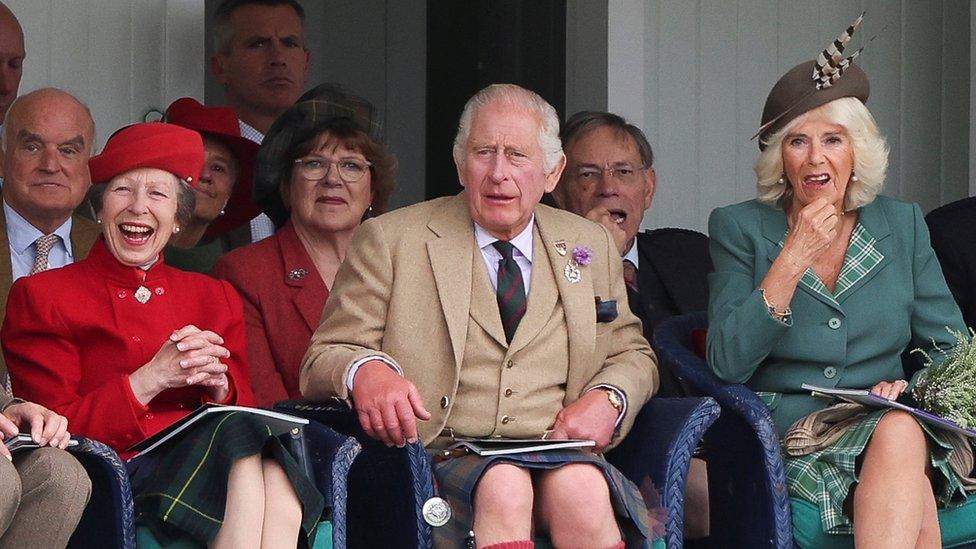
x=512, y=394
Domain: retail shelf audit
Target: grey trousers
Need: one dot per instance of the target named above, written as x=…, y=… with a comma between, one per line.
x=43, y=493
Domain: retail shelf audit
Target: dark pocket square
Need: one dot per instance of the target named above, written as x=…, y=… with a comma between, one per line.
x=606, y=311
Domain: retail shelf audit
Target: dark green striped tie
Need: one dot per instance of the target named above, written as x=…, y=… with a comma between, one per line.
x=511, y=289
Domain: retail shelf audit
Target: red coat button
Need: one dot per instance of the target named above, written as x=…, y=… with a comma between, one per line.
x=122, y=294
x=160, y=290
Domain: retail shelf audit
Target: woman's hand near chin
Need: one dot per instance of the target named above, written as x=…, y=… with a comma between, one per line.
x=190, y=357
x=812, y=229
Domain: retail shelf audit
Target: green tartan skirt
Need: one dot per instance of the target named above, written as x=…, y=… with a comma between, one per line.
x=639, y=512
x=180, y=490
x=825, y=477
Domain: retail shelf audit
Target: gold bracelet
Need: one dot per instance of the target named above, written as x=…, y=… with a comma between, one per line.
x=778, y=314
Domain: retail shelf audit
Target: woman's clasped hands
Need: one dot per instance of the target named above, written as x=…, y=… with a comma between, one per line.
x=191, y=356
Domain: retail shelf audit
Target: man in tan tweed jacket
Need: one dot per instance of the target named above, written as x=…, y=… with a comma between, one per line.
x=413, y=321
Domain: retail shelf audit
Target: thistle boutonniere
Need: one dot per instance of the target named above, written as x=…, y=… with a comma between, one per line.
x=582, y=256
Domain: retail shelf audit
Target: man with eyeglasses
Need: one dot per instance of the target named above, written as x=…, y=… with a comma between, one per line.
x=609, y=178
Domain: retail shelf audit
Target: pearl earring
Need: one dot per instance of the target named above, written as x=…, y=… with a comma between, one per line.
x=221, y=212
x=781, y=180
x=854, y=178
x=176, y=229
x=98, y=220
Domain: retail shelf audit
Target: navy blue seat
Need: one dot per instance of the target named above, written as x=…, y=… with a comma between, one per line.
x=748, y=499
x=108, y=518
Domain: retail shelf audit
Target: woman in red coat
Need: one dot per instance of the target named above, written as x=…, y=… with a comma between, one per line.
x=124, y=345
x=321, y=170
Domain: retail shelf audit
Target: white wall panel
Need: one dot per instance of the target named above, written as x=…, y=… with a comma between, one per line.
x=625, y=70
x=121, y=58
x=709, y=64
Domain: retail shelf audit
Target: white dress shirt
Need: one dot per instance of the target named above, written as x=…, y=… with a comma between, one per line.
x=632, y=255
x=522, y=253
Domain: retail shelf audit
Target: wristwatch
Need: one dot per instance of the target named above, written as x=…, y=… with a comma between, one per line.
x=615, y=400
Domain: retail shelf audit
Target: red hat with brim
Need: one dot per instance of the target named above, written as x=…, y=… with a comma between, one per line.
x=221, y=123
x=150, y=145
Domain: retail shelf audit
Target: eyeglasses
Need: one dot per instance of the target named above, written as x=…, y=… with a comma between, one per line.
x=315, y=168
x=623, y=173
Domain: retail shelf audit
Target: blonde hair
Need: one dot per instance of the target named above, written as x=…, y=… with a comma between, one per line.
x=518, y=97
x=870, y=155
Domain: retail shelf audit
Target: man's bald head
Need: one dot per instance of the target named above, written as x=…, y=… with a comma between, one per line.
x=47, y=141
x=11, y=58
x=37, y=103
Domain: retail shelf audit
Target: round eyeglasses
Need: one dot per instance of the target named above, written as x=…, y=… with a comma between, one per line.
x=315, y=168
x=624, y=173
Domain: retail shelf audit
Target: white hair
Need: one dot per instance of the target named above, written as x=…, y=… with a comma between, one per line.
x=518, y=97
x=870, y=155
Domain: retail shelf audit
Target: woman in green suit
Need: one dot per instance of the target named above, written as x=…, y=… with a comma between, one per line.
x=821, y=281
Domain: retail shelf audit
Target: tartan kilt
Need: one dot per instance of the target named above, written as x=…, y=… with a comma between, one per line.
x=458, y=477
x=180, y=490
x=824, y=478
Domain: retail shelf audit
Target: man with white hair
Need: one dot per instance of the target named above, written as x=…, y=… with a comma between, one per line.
x=510, y=318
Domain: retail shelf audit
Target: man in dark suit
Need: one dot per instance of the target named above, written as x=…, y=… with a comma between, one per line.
x=47, y=140
x=610, y=179
x=953, y=229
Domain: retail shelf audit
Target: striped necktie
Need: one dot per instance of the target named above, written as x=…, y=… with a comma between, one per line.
x=511, y=289
x=630, y=276
x=43, y=247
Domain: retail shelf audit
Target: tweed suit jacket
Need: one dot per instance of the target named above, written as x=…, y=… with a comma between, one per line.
x=405, y=293
x=852, y=343
x=84, y=232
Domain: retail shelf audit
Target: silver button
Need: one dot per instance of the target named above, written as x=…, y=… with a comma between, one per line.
x=834, y=323
x=830, y=372
x=436, y=511
x=445, y=402
x=507, y=419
